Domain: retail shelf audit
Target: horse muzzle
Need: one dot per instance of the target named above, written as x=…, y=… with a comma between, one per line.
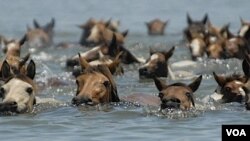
x=8, y=107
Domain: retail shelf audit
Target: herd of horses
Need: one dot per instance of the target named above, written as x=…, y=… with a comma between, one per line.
x=94, y=70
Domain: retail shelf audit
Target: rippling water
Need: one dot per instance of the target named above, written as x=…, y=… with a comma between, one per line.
x=58, y=120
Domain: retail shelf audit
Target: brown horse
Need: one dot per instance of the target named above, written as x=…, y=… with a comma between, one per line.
x=101, y=34
x=231, y=88
x=156, y=27
x=12, y=50
x=18, y=91
x=86, y=28
x=195, y=27
x=41, y=36
x=236, y=46
x=177, y=95
x=156, y=65
x=95, y=85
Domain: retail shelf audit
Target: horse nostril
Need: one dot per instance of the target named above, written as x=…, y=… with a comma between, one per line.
x=175, y=100
x=75, y=101
x=143, y=70
x=13, y=103
x=164, y=101
x=170, y=103
x=87, y=101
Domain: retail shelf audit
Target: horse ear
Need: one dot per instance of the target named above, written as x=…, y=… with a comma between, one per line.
x=242, y=21
x=24, y=60
x=160, y=84
x=189, y=19
x=5, y=70
x=226, y=32
x=219, y=79
x=190, y=97
x=147, y=24
x=209, y=24
x=28, y=28
x=113, y=41
x=113, y=48
x=205, y=19
x=36, y=24
x=52, y=23
x=22, y=41
x=83, y=63
x=31, y=69
x=165, y=23
x=125, y=33
x=169, y=53
x=3, y=42
x=246, y=66
x=225, y=28
x=116, y=64
x=151, y=51
x=108, y=22
x=195, y=84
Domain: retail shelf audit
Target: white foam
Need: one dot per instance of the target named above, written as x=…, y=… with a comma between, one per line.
x=184, y=63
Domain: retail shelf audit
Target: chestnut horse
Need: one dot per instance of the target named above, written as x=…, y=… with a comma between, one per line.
x=95, y=85
x=177, y=95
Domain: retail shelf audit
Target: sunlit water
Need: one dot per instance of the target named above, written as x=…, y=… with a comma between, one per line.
x=58, y=120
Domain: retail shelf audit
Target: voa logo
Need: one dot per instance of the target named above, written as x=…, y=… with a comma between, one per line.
x=236, y=132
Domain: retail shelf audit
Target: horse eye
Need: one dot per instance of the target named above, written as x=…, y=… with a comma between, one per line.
x=29, y=90
x=228, y=89
x=161, y=95
x=188, y=94
x=106, y=83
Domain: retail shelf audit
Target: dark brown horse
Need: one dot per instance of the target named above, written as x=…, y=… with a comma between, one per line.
x=195, y=27
x=156, y=65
